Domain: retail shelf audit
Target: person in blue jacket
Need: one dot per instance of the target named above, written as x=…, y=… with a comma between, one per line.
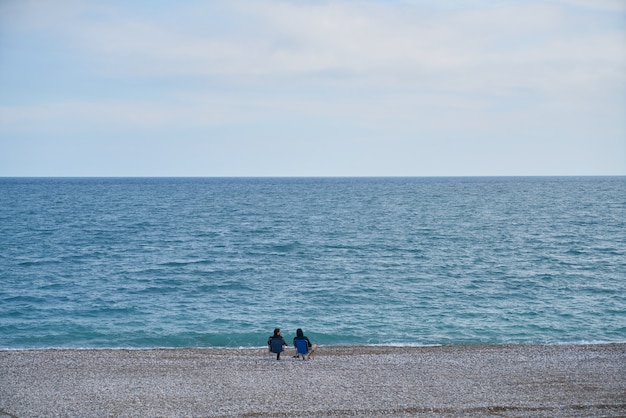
x=300, y=336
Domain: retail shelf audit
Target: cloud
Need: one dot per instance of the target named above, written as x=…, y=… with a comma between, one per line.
x=602, y=5
x=351, y=43
x=112, y=115
x=529, y=46
x=348, y=70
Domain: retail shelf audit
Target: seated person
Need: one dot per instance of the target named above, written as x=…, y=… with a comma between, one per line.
x=310, y=347
x=276, y=343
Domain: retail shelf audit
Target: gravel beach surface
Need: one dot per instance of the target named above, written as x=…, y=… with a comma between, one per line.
x=501, y=380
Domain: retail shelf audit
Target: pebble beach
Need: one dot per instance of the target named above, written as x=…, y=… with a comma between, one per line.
x=369, y=381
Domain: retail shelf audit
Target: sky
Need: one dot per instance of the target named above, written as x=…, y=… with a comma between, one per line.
x=312, y=88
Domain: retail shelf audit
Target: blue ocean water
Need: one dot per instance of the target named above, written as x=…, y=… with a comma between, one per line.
x=221, y=262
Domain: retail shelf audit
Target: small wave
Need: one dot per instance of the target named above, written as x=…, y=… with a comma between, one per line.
x=184, y=263
x=40, y=262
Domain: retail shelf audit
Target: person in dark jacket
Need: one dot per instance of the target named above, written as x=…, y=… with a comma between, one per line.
x=300, y=336
x=276, y=343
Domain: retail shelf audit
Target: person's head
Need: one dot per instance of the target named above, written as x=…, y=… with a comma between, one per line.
x=299, y=332
x=276, y=332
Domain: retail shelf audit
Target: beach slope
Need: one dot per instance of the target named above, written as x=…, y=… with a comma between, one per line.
x=477, y=380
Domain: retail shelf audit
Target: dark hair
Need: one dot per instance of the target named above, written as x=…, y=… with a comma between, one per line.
x=299, y=332
x=276, y=331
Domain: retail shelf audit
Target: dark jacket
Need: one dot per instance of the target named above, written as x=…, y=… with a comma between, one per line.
x=269, y=341
x=300, y=336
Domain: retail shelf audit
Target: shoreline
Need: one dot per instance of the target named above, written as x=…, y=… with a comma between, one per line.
x=395, y=381
x=329, y=346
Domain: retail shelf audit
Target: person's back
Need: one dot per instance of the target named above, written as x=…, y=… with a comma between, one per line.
x=310, y=348
x=276, y=343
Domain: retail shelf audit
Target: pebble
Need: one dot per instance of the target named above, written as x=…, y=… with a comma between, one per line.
x=365, y=381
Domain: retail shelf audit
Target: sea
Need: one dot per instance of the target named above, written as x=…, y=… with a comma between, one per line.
x=220, y=262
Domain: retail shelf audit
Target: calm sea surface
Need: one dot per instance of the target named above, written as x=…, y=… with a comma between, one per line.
x=220, y=262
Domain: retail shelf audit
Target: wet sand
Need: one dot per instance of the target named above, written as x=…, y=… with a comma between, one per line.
x=503, y=380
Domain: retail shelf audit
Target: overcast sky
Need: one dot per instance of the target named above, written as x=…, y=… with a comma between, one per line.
x=312, y=88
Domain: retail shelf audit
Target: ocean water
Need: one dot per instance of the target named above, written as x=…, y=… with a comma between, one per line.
x=221, y=262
